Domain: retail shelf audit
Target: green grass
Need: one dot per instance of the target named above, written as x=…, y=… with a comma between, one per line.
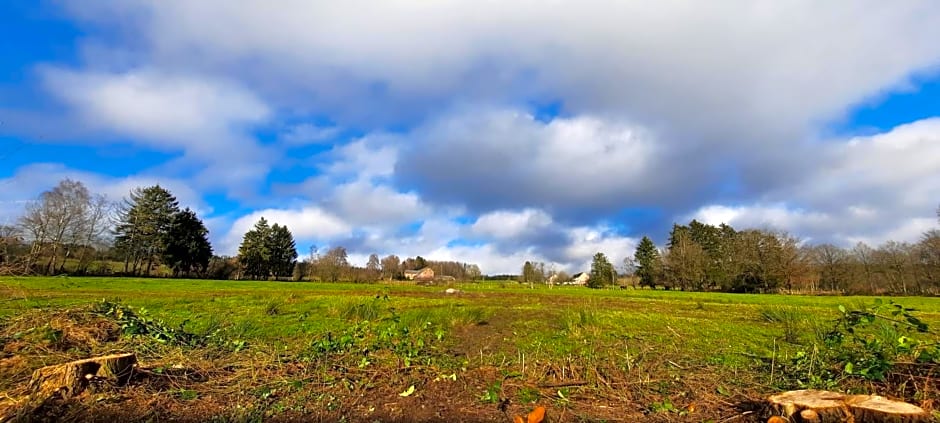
x=661, y=343
x=705, y=323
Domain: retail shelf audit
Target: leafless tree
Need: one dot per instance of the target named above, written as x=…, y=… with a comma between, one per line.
x=391, y=265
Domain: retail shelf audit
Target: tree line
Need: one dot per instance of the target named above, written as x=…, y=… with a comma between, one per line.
x=702, y=257
x=70, y=230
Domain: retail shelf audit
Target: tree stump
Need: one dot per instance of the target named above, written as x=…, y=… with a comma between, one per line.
x=811, y=406
x=872, y=408
x=72, y=378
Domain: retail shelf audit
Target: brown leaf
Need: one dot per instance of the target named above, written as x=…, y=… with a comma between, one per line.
x=537, y=415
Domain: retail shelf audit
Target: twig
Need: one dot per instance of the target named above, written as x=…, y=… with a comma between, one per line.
x=675, y=364
x=563, y=384
x=673, y=331
x=736, y=416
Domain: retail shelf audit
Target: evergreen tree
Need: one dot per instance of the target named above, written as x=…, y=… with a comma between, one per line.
x=144, y=225
x=647, y=259
x=187, y=244
x=420, y=263
x=528, y=273
x=282, y=251
x=602, y=272
x=253, y=253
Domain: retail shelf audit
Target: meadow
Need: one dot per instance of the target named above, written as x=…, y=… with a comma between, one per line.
x=251, y=351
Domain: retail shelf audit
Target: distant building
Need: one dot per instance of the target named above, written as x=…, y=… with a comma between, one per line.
x=424, y=274
x=581, y=279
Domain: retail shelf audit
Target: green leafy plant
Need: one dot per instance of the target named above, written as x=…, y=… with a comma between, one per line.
x=136, y=323
x=528, y=395
x=491, y=394
x=869, y=341
x=863, y=343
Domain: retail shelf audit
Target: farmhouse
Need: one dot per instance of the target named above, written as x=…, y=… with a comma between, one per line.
x=581, y=279
x=424, y=274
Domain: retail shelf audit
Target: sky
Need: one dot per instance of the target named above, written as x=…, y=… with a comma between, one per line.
x=483, y=131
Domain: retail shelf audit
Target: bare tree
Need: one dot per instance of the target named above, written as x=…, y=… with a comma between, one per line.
x=334, y=264
x=831, y=262
x=373, y=267
x=391, y=266
x=55, y=221
x=864, y=256
x=95, y=227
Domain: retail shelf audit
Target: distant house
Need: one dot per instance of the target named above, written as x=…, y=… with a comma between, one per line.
x=581, y=279
x=424, y=274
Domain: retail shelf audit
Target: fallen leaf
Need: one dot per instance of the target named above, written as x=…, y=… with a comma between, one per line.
x=537, y=415
x=408, y=392
x=517, y=419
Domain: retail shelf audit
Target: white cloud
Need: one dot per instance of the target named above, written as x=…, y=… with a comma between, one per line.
x=164, y=110
x=362, y=203
x=305, y=134
x=738, y=67
x=508, y=159
x=29, y=181
x=511, y=224
x=585, y=242
x=304, y=223
x=206, y=119
x=366, y=158
x=871, y=188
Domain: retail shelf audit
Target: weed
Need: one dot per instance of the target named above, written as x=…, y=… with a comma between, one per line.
x=790, y=319
x=188, y=394
x=563, y=397
x=272, y=308
x=528, y=395
x=366, y=311
x=138, y=324
x=491, y=394
x=864, y=343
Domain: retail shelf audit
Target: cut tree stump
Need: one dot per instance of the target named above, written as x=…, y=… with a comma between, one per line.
x=872, y=408
x=811, y=406
x=72, y=378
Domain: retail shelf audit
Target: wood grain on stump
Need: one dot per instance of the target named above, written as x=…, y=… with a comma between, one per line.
x=811, y=406
x=72, y=378
x=872, y=408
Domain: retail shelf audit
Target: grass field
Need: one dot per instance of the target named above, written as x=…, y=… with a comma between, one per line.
x=286, y=350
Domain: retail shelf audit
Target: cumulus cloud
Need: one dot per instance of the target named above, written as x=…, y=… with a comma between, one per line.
x=207, y=120
x=365, y=204
x=508, y=159
x=165, y=110
x=871, y=188
x=739, y=67
x=508, y=224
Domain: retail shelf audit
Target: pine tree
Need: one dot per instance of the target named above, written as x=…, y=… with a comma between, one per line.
x=187, y=244
x=602, y=272
x=283, y=251
x=647, y=259
x=144, y=226
x=253, y=253
x=420, y=263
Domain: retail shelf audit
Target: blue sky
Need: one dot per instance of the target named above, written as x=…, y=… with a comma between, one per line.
x=483, y=132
